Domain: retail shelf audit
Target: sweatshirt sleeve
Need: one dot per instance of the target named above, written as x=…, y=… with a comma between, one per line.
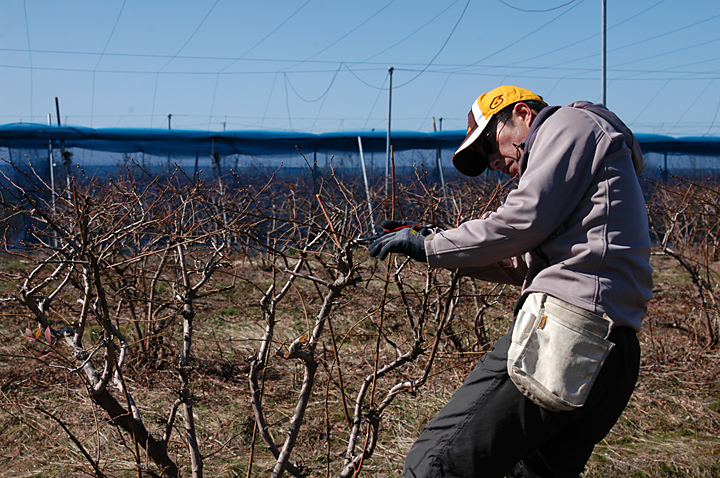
x=508, y=271
x=559, y=170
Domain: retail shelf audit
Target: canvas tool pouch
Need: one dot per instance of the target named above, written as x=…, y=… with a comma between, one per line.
x=557, y=351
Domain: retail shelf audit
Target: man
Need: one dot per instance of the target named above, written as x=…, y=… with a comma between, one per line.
x=574, y=234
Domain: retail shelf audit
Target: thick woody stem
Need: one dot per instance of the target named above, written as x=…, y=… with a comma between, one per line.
x=310, y=367
x=188, y=314
x=258, y=362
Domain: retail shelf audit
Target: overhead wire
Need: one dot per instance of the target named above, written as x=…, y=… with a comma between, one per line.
x=440, y=70
x=157, y=73
x=322, y=95
x=292, y=15
x=287, y=103
x=590, y=37
x=712, y=124
x=442, y=88
x=696, y=45
x=192, y=35
x=164, y=56
x=641, y=41
x=317, y=115
x=643, y=72
x=217, y=77
x=527, y=35
x=687, y=110
x=629, y=45
x=112, y=31
x=267, y=104
x=287, y=80
x=212, y=102
x=670, y=73
x=549, y=93
x=575, y=75
x=380, y=65
x=360, y=79
x=404, y=66
x=152, y=111
x=681, y=76
x=462, y=14
x=380, y=90
x=652, y=101
x=352, y=30
x=369, y=85
x=524, y=37
x=536, y=11
x=412, y=33
x=107, y=43
x=27, y=32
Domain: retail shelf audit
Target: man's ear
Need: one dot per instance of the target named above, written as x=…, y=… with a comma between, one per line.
x=522, y=114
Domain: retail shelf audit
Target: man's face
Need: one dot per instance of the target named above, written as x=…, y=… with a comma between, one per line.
x=501, y=143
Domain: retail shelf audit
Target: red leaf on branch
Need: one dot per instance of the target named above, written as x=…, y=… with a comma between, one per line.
x=29, y=335
x=48, y=335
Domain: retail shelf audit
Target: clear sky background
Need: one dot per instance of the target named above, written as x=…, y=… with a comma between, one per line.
x=322, y=65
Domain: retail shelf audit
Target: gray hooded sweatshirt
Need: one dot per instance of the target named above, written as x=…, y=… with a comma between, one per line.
x=575, y=227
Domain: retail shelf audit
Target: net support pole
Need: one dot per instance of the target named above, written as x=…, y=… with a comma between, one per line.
x=169, y=160
x=367, y=186
x=603, y=55
x=439, y=159
x=65, y=157
x=51, y=164
x=387, y=142
x=52, y=168
x=216, y=158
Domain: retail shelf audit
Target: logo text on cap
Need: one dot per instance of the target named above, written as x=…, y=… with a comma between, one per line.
x=496, y=102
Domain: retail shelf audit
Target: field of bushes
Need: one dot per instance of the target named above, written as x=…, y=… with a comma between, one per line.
x=167, y=326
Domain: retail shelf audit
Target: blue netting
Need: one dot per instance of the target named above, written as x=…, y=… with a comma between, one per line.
x=266, y=143
x=190, y=143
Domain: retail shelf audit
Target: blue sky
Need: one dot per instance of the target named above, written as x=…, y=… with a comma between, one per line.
x=321, y=65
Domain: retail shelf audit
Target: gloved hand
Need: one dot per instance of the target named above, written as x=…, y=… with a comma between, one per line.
x=391, y=225
x=406, y=240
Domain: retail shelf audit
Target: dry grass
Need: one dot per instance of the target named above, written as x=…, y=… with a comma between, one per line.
x=670, y=429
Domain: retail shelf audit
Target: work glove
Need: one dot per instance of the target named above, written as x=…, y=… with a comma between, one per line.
x=390, y=225
x=408, y=240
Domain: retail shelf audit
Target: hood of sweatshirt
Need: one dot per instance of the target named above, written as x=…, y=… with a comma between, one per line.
x=595, y=108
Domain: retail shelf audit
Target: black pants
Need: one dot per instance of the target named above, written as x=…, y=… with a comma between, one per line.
x=489, y=429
